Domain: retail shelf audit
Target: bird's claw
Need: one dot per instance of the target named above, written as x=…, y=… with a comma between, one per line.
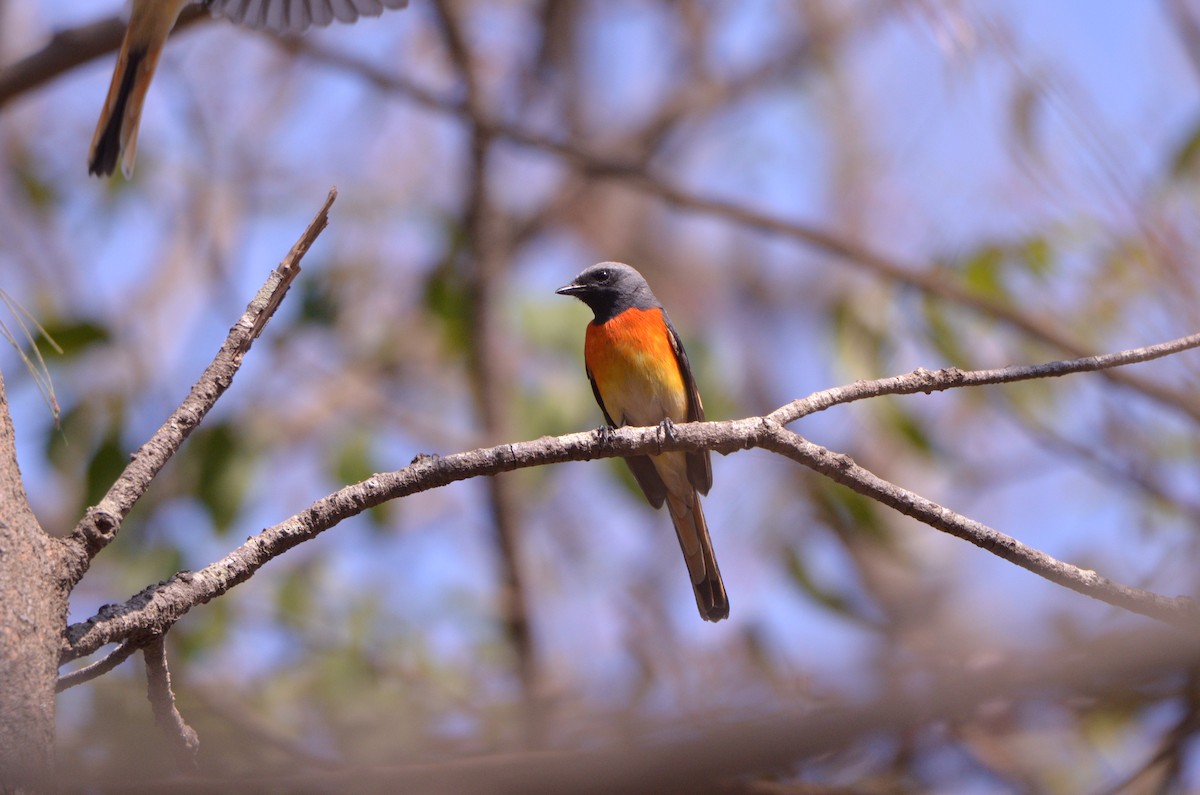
x=425, y=458
x=605, y=434
x=667, y=429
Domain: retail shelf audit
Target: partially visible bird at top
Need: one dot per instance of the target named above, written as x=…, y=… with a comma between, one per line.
x=151, y=21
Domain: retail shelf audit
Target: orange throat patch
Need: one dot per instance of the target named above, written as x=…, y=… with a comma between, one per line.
x=633, y=363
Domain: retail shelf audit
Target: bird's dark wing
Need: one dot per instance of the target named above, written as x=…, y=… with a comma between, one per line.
x=642, y=467
x=295, y=16
x=699, y=465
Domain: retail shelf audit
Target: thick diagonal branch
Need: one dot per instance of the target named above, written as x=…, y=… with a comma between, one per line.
x=102, y=521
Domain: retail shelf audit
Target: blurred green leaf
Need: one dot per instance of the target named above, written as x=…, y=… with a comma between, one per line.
x=802, y=578
x=446, y=293
x=201, y=633
x=1107, y=724
x=294, y=596
x=981, y=272
x=1038, y=256
x=861, y=345
x=719, y=404
x=66, y=443
x=1183, y=161
x=222, y=467
x=555, y=324
x=847, y=510
x=37, y=189
x=355, y=462
x=106, y=464
x=907, y=426
x=942, y=334
x=74, y=338
x=446, y=298
x=152, y=557
x=318, y=304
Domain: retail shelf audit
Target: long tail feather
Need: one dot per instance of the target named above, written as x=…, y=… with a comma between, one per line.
x=692, y=530
x=112, y=134
x=116, y=133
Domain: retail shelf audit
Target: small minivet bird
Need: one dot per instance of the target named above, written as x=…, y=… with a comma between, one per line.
x=640, y=376
x=151, y=21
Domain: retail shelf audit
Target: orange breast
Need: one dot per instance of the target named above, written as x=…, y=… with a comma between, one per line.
x=635, y=369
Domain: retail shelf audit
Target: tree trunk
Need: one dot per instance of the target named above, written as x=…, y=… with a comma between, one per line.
x=33, y=614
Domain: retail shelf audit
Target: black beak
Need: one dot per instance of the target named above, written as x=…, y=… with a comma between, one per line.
x=571, y=289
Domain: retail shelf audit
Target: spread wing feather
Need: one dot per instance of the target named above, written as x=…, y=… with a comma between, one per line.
x=296, y=16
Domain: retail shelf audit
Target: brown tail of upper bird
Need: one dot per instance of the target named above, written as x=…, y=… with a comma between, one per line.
x=692, y=531
x=117, y=130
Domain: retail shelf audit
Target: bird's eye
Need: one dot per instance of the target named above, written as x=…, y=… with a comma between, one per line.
x=603, y=276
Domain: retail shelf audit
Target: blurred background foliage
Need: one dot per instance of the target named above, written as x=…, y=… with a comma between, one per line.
x=995, y=183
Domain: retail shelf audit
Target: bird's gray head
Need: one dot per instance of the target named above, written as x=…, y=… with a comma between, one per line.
x=610, y=288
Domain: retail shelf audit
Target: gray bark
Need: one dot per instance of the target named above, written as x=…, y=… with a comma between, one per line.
x=33, y=615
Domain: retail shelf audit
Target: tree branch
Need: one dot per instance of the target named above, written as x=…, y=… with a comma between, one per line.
x=98, y=668
x=157, y=607
x=101, y=522
x=1179, y=611
x=927, y=381
x=182, y=737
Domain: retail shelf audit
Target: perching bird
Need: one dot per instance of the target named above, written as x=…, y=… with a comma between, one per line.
x=640, y=376
x=149, y=23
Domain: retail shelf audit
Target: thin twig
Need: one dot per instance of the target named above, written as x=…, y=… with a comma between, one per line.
x=922, y=380
x=157, y=607
x=289, y=268
x=182, y=737
x=101, y=522
x=34, y=362
x=98, y=668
